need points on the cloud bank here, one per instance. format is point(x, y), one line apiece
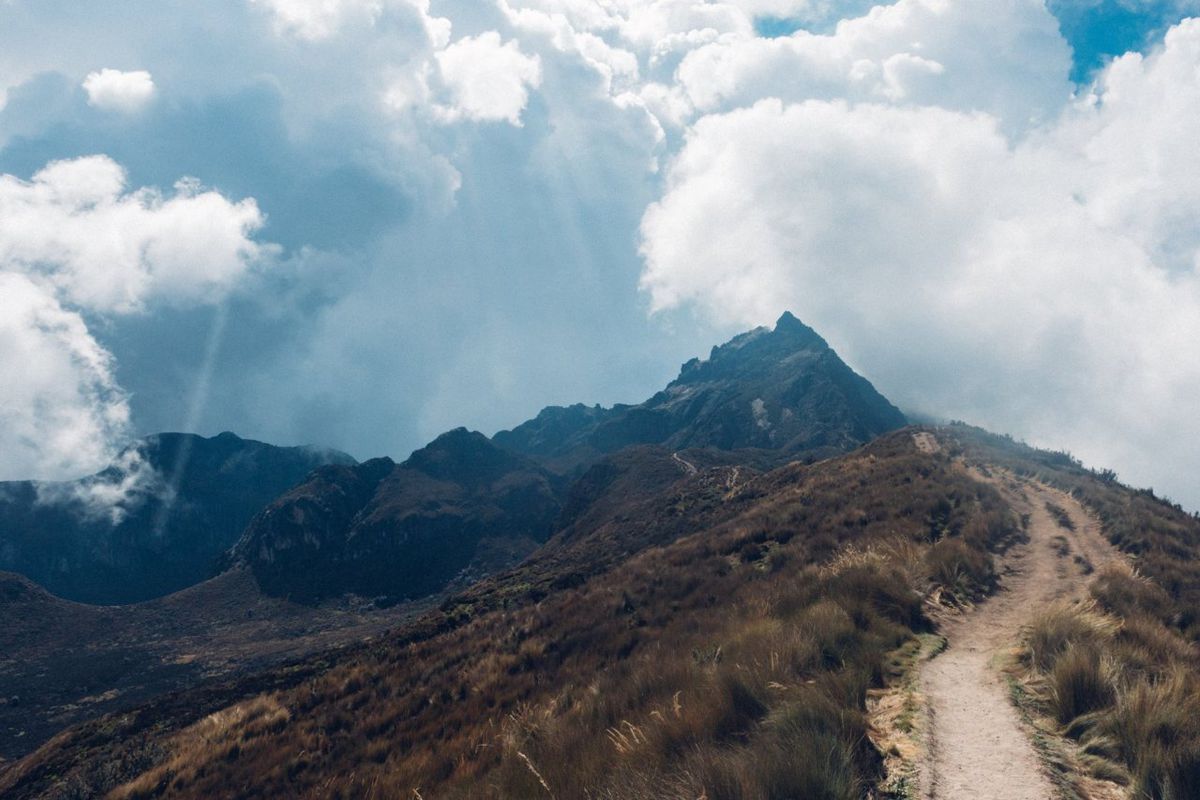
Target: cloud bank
point(1045, 284)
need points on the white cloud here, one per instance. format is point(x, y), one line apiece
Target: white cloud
point(318, 19)
point(125, 484)
point(315, 20)
point(1048, 287)
point(488, 80)
point(114, 90)
point(72, 239)
point(1005, 57)
point(60, 406)
point(76, 227)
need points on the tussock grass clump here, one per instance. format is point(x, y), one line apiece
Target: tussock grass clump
point(1127, 688)
point(1121, 591)
point(1156, 726)
point(963, 571)
point(1064, 626)
point(1080, 682)
point(1061, 516)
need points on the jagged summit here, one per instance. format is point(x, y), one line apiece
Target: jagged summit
point(782, 389)
point(751, 351)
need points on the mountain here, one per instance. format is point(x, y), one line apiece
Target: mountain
point(154, 522)
point(783, 390)
point(672, 600)
point(457, 508)
point(740, 621)
point(464, 506)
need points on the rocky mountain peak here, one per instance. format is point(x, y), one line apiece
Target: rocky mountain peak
point(778, 389)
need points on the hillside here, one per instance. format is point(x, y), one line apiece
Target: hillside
point(63, 662)
point(766, 622)
point(154, 522)
point(457, 507)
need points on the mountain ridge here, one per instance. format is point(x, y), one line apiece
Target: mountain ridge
point(153, 522)
point(781, 389)
point(464, 505)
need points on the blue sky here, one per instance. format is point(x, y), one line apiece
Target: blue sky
point(361, 222)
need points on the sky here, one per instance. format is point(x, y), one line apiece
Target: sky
point(359, 223)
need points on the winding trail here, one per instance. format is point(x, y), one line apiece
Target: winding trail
point(688, 467)
point(976, 745)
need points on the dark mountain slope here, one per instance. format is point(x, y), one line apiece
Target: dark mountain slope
point(464, 507)
point(63, 662)
point(154, 522)
point(456, 508)
point(783, 390)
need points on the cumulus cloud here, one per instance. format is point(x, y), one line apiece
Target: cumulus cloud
point(488, 80)
point(114, 90)
point(75, 239)
point(317, 20)
point(60, 406)
point(1047, 285)
point(77, 228)
point(915, 51)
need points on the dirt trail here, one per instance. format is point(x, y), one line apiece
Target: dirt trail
point(688, 467)
point(977, 747)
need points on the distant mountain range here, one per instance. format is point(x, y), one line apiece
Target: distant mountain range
point(465, 506)
point(314, 524)
point(155, 522)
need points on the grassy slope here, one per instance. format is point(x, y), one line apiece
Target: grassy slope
point(727, 656)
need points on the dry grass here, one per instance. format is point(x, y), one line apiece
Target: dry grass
point(1126, 689)
point(731, 662)
point(218, 735)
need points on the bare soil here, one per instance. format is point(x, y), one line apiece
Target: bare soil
point(977, 746)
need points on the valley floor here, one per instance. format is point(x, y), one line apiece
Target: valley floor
point(63, 662)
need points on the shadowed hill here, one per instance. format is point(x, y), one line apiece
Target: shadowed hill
point(154, 522)
point(457, 507)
